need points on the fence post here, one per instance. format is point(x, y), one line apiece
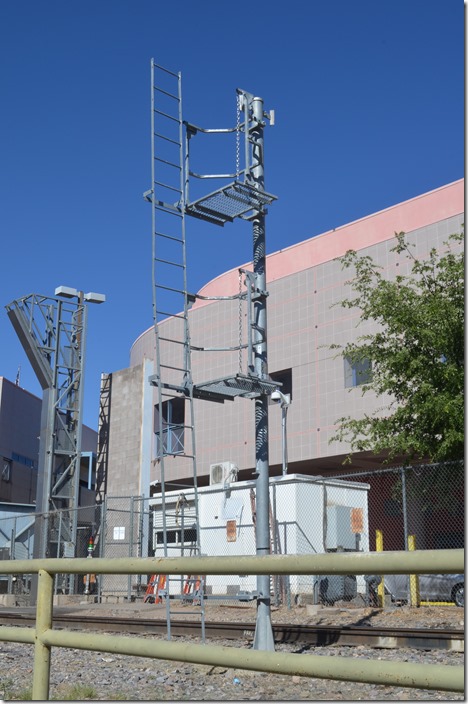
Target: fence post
point(381, 587)
point(404, 507)
point(130, 545)
point(415, 599)
point(102, 543)
point(44, 608)
point(12, 555)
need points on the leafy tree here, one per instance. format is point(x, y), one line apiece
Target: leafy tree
point(416, 354)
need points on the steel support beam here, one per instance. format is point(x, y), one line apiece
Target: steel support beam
point(53, 334)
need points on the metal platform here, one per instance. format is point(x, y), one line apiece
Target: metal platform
point(229, 388)
point(229, 202)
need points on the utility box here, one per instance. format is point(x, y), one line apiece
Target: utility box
point(308, 515)
point(341, 533)
point(337, 587)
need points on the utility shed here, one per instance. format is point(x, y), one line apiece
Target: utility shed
point(307, 515)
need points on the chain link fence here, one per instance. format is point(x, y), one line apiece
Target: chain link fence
point(397, 508)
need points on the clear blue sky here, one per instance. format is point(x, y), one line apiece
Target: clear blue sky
point(369, 112)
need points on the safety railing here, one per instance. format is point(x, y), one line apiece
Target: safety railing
point(400, 674)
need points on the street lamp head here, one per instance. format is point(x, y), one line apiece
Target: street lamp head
point(91, 297)
point(95, 297)
point(67, 292)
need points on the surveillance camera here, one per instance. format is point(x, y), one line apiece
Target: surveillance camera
point(279, 397)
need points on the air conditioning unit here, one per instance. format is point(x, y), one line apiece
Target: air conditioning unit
point(222, 472)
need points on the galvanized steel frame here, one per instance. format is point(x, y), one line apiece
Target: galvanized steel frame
point(53, 334)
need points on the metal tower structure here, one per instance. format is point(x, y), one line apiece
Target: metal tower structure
point(53, 334)
point(243, 197)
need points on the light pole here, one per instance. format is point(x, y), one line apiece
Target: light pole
point(285, 401)
point(77, 390)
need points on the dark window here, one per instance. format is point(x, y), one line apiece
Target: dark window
point(357, 373)
point(177, 537)
point(27, 461)
point(6, 470)
point(284, 377)
point(173, 423)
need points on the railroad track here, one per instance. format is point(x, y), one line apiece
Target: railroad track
point(370, 636)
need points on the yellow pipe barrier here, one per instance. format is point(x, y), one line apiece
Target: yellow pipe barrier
point(17, 635)
point(415, 598)
point(44, 611)
point(447, 677)
point(390, 562)
point(399, 674)
point(381, 586)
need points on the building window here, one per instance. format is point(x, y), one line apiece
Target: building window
point(284, 377)
point(173, 424)
point(22, 459)
point(357, 373)
point(177, 537)
point(6, 470)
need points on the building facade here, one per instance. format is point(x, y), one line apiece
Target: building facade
point(20, 427)
point(305, 283)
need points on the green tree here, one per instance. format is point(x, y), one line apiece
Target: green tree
point(416, 354)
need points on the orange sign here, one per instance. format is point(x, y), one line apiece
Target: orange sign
point(357, 520)
point(231, 531)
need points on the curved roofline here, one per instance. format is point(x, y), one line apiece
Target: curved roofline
point(413, 213)
point(353, 223)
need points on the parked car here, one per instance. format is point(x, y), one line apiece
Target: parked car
point(432, 587)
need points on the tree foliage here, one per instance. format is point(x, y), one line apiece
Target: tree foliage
point(417, 354)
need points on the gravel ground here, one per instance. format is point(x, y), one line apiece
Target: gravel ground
point(97, 676)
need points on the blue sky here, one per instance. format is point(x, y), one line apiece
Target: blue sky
point(369, 112)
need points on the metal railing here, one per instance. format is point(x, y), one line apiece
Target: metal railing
point(400, 674)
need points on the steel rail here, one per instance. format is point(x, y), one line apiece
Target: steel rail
point(316, 636)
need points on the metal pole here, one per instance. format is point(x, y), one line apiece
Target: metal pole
point(284, 411)
point(41, 545)
point(78, 396)
point(59, 541)
point(130, 545)
point(263, 639)
point(404, 506)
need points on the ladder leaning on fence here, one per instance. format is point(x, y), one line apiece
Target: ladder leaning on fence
point(155, 589)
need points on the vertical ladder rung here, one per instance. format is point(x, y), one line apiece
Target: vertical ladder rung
point(169, 237)
point(176, 369)
point(168, 288)
point(169, 163)
point(166, 70)
point(164, 114)
point(168, 139)
point(161, 90)
point(168, 208)
point(171, 315)
point(166, 261)
point(170, 188)
point(171, 339)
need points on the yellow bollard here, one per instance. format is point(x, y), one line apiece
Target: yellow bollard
point(415, 597)
point(381, 587)
point(42, 651)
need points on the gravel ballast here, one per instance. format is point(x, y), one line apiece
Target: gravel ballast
point(103, 676)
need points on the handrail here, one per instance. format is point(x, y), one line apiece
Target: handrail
point(44, 637)
point(339, 563)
